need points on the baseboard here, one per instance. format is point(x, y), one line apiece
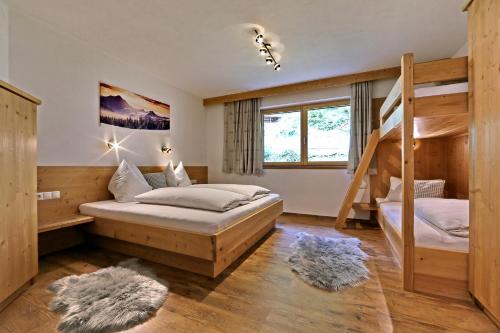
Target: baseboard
point(15, 295)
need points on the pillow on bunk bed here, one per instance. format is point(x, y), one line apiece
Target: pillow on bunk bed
point(127, 182)
point(422, 189)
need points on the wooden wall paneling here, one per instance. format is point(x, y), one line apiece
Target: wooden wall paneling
point(18, 213)
point(407, 174)
point(80, 184)
point(484, 183)
point(457, 166)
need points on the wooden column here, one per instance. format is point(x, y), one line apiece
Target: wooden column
point(407, 102)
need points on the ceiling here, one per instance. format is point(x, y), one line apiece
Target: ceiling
point(207, 48)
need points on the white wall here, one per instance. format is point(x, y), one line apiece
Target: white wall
point(305, 191)
point(64, 73)
point(4, 42)
point(462, 52)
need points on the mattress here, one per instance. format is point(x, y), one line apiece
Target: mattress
point(176, 218)
point(426, 235)
point(442, 89)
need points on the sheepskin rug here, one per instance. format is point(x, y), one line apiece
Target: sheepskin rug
point(108, 300)
point(329, 263)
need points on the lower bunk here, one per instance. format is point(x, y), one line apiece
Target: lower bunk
point(441, 259)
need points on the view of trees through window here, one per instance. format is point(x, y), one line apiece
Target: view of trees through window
point(327, 137)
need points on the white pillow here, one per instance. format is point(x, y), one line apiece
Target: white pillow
point(422, 189)
point(170, 175)
point(182, 176)
point(127, 182)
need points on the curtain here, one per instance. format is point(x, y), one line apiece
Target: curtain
point(361, 123)
point(243, 140)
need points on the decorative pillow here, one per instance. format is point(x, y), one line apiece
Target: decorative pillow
point(182, 176)
point(422, 189)
point(170, 177)
point(127, 182)
point(429, 188)
point(156, 180)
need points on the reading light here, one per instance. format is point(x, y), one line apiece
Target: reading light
point(113, 145)
point(269, 61)
point(165, 149)
point(277, 67)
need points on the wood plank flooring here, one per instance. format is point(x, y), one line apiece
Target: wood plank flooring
point(259, 293)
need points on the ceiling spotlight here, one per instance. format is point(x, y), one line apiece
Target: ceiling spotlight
point(265, 50)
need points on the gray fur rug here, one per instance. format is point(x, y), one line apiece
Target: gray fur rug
point(108, 300)
point(329, 263)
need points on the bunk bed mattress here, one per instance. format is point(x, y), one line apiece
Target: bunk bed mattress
point(426, 235)
point(444, 89)
point(176, 218)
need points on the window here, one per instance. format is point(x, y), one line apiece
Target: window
point(308, 136)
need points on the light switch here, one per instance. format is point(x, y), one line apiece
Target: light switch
point(47, 195)
point(56, 194)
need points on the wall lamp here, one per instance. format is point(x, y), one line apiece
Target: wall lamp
point(113, 145)
point(265, 50)
point(165, 149)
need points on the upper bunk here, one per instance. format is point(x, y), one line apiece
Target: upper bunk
point(438, 91)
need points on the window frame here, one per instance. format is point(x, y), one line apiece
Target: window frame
point(304, 163)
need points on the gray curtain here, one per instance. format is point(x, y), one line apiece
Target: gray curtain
point(361, 123)
point(243, 140)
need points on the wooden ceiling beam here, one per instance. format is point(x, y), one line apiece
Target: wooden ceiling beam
point(330, 82)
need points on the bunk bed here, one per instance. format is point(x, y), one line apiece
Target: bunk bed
point(428, 101)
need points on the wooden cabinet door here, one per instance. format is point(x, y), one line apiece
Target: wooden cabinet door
point(18, 210)
point(484, 105)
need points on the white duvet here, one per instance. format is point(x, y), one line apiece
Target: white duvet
point(194, 197)
point(252, 192)
point(450, 215)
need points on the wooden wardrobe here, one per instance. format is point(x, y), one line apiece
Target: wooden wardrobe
point(18, 206)
point(484, 180)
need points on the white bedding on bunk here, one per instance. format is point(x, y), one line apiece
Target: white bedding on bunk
point(426, 235)
point(176, 218)
point(442, 89)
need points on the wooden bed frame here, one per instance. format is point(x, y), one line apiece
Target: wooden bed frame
point(403, 119)
point(207, 255)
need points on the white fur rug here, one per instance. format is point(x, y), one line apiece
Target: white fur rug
point(329, 263)
point(108, 300)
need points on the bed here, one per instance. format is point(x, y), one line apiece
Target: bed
point(441, 259)
point(200, 241)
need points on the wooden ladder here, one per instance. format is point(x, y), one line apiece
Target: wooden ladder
point(358, 178)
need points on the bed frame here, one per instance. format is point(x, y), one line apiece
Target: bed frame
point(207, 255)
point(404, 118)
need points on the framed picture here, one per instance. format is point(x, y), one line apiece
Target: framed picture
point(120, 107)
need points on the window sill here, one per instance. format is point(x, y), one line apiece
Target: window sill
point(306, 166)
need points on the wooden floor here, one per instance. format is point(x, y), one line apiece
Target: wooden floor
point(259, 293)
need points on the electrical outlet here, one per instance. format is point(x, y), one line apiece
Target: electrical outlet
point(56, 194)
point(39, 196)
point(47, 195)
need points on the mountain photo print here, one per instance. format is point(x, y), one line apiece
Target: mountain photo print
point(120, 107)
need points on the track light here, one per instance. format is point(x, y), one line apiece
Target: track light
point(265, 50)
